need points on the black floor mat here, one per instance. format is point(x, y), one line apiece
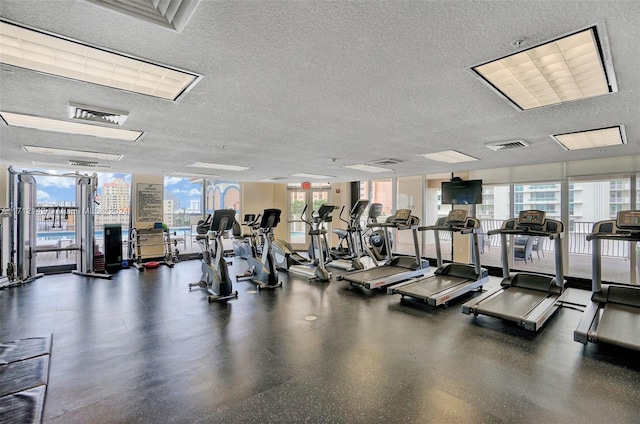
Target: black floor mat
point(23, 375)
point(24, 372)
point(19, 350)
point(24, 407)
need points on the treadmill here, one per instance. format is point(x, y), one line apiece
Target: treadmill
point(453, 279)
point(399, 267)
point(525, 298)
point(613, 315)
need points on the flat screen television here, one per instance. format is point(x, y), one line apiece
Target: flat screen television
point(462, 192)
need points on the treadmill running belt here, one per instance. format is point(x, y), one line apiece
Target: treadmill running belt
point(429, 286)
point(620, 325)
point(512, 304)
point(373, 273)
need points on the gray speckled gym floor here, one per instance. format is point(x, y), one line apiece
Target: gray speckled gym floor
point(141, 348)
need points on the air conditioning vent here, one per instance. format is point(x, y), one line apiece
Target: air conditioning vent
point(387, 162)
point(90, 113)
point(83, 163)
point(504, 145)
point(172, 14)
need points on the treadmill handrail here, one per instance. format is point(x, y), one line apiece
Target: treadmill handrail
point(397, 225)
point(624, 236)
point(526, 232)
point(452, 228)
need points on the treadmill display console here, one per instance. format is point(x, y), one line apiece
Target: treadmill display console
point(629, 220)
point(402, 215)
point(457, 216)
point(531, 218)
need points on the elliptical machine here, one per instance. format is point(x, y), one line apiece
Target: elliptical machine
point(215, 274)
point(262, 272)
point(348, 257)
point(377, 247)
point(314, 267)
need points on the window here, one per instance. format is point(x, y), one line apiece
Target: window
point(518, 198)
point(382, 192)
point(539, 256)
point(114, 201)
point(595, 201)
point(493, 211)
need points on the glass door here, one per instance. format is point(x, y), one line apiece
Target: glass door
point(409, 197)
point(297, 228)
point(298, 199)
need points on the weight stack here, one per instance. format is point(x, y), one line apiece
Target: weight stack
point(98, 262)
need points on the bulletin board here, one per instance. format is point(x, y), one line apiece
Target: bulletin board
point(149, 202)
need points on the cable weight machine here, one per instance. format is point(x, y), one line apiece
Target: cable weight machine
point(86, 190)
point(23, 250)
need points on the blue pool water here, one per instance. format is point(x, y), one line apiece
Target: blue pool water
point(67, 235)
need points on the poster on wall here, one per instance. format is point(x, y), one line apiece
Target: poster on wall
point(149, 202)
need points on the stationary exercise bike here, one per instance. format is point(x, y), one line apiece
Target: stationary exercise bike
point(246, 245)
point(215, 274)
point(262, 271)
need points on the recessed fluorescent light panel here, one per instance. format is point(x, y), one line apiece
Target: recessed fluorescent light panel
point(449, 156)
point(71, 153)
point(192, 174)
point(367, 168)
point(563, 70)
point(312, 176)
point(222, 166)
point(57, 55)
point(54, 125)
point(66, 165)
point(613, 136)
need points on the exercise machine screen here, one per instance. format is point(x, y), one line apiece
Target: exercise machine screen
point(402, 215)
point(628, 220)
point(457, 216)
point(531, 218)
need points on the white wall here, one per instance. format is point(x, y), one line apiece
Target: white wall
point(558, 171)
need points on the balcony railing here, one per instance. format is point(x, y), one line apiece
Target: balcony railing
point(578, 243)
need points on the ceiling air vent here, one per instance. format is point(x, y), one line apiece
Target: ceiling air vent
point(387, 162)
point(83, 163)
point(90, 113)
point(504, 145)
point(172, 14)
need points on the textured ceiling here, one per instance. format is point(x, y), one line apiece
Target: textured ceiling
point(310, 86)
